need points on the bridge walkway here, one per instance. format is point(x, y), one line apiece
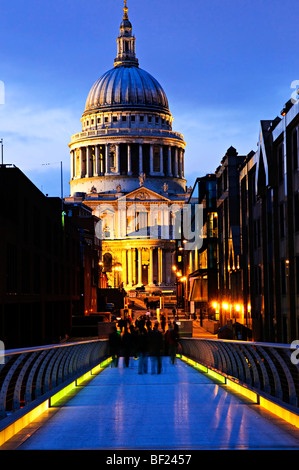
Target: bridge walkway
point(181, 408)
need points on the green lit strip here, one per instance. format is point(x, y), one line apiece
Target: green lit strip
point(65, 391)
point(217, 376)
point(83, 378)
point(202, 368)
point(194, 364)
point(69, 388)
point(106, 362)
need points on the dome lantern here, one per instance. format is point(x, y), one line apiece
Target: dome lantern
point(125, 43)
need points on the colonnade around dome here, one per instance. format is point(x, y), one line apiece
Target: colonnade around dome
point(119, 158)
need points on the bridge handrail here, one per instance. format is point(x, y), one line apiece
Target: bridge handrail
point(269, 368)
point(28, 374)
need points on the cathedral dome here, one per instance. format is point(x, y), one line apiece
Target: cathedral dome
point(126, 86)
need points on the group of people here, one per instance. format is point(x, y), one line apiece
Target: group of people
point(144, 339)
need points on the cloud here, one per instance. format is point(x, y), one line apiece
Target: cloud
point(33, 136)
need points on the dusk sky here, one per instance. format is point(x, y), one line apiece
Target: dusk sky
point(225, 65)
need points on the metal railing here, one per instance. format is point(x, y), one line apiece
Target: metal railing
point(265, 367)
point(28, 375)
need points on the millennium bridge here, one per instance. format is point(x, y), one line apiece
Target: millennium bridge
point(218, 395)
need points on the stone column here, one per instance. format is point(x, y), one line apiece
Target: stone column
point(130, 274)
point(169, 161)
point(107, 169)
point(139, 266)
point(151, 267)
point(102, 161)
point(124, 266)
point(129, 160)
point(72, 164)
point(117, 163)
point(160, 266)
point(97, 161)
point(176, 163)
point(180, 162)
point(88, 162)
point(81, 163)
point(140, 159)
point(183, 163)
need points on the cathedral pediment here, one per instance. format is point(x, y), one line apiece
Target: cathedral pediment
point(144, 194)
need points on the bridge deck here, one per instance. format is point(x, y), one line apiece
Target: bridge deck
point(179, 409)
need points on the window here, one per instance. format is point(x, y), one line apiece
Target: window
point(133, 118)
point(114, 118)
point(141, 118)
point(92, 122)
point(106, 118)
point(124, 118)
point(99, 120)
point(157, 120)
point(149, 118)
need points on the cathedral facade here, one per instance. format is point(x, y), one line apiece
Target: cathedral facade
point(127, 164)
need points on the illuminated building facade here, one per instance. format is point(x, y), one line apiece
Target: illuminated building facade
point(127, 165)
point(255, 293)
point(269, 190)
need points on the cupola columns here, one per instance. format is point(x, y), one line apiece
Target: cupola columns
point(126, 43)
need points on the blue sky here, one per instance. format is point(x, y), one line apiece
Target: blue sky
point(224, 65)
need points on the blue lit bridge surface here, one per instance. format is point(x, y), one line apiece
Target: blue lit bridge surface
point(187, 407)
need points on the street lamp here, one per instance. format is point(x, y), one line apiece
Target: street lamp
point(61, 179)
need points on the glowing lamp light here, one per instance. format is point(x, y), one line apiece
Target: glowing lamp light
point(225, 306)
point(215, 305)
point(238, 308)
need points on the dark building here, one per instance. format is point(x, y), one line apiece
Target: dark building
point(269, 188)
point(39, 264)
point(231, 308)
point(257, 236)
point(82, 218)
point(203, 262)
